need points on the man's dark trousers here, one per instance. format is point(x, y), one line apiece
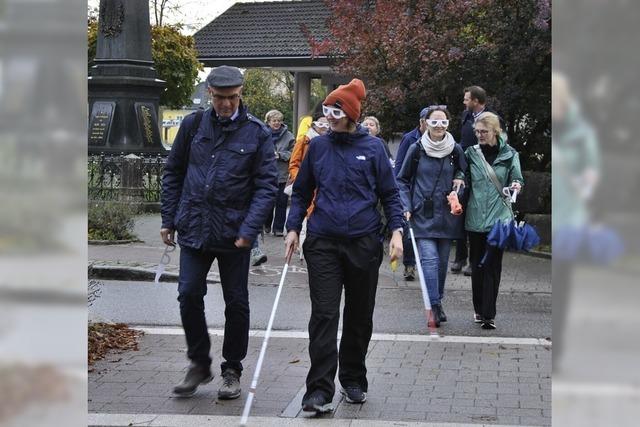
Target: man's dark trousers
point(332, 263)
point(408, 257)
point(192, 287)
point(461, 249)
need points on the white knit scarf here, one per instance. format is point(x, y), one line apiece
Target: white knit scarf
point(438, 149)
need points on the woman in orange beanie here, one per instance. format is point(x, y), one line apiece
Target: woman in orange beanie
point(350, 172)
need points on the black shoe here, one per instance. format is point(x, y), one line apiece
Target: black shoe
point(488, 324)
point(267, 230)
point(435, 315)
point(353, 394)
point(257, 257)
point(467, 271)
point(196, 375)
point(409, 272)
point(316, 402)
point(477, 318)
point(278, 234)
point(456, 266)
point(230, 388)
point(443, 317)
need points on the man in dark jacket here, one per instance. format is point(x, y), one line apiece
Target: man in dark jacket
point(475, 100)
point(409, 258)
point(219, 185)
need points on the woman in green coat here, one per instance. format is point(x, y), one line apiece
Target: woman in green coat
point(485, 207)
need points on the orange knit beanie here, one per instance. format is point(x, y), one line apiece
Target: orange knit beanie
point(348, 98)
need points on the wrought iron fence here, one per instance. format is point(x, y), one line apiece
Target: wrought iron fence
point(105, 176)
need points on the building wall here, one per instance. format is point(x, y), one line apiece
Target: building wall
point(171, 120)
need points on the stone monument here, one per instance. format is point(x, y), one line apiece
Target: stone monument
point(124, 89)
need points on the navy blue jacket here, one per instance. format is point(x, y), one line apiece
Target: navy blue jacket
point(407, 139)
point(229, 186)
point(414, 190)
point(351, 172)
point(467, 135)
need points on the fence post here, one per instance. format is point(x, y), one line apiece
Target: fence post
point(131, 189)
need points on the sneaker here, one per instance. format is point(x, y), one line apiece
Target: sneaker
point(488, 324)
point(230, 388)
point(354, 394)
point(196, 375)
point(409, 272)
point(267, 230)
point(278, 233)
point(316, 402)
point(467, 270)
point(456, 266)
point(477, 318)
point(257, 257)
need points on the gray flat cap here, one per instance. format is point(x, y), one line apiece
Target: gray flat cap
point(225, 76)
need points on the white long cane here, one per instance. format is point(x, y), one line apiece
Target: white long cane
point(263, 350)
point(423, 284)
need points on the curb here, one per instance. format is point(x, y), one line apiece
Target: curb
point(538, 254)
point(113, 242)
point(108, 272)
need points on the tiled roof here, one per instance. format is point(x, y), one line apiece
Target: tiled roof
point(264, 29)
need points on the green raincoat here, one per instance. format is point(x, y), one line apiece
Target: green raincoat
point(486, 205)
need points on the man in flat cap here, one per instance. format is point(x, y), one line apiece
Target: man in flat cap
point(219, 185)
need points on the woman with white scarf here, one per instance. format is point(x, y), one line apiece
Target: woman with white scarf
point(426, 178)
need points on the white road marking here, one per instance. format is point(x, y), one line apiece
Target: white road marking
point(158, 330)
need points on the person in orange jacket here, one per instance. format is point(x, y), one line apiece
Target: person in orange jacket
point(318, 127)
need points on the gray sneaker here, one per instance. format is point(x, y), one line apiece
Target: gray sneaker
point(196, 375)
point(409, 272)
point(230, 388)
point(257, 257)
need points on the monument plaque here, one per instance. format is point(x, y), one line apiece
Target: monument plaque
point(147, 123)
point(100, 122)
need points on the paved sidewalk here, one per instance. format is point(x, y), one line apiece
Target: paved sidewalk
point(417, 380)
point(138, 261)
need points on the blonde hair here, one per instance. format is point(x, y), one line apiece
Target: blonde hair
point(374, 120)
point(273, 114)
point(491, 121)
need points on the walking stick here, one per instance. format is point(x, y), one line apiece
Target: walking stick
point(423, 285)
point(263, 350)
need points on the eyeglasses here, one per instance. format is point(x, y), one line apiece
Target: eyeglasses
point(481, 131)
point(440, 122)
point(221, 98)
point(321, 125)
point(336, 113)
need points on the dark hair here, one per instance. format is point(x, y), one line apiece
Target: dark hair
point(438, 108)
point(477, 92)
point(316, 110)
point(316, 116)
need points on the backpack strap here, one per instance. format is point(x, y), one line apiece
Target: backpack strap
point(192, 134)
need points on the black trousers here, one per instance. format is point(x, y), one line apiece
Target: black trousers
point(485, 279)
point(192, 287)
point(461, 248)
point(332, 265)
